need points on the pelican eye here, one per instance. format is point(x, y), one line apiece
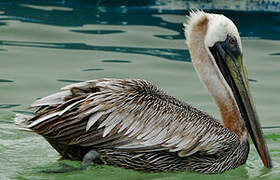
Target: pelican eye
point(231, 40)
point(232, 46)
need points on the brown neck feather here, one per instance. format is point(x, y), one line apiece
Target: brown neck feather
point(212, 79)
point(230, 116)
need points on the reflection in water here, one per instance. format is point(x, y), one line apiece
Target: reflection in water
point(170, 54)
point(253, 24)
point(170, 37)
point(90, 12)
point(24, 112)
point(3, 24)
point(5, 80)
point(69, 80)
point(275, 54)
point(7, 106)
point(271, 127)
point(241, 5)
point(2, 121)
point(93, 69)
point(253, 80)
point(99, 32)
point(116, 61)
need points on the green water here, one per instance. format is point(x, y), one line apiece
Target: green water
point(46, 46)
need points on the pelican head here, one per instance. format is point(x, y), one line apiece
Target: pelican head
point(216, 52)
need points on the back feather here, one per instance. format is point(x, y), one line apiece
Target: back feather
point(132, 115)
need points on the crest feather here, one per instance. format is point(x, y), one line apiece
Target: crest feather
point(195, 19)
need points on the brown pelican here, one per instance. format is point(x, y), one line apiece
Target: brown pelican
point(132, 124)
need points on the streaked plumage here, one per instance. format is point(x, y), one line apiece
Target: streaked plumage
point(133, 120)
point(133, 124)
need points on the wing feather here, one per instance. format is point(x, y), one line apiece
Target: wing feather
point(130, 115)
point(93, 118)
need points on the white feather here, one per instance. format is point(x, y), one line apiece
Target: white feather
point(93, 118)
point(108, 129)
point(69, 107)
point(53, 99)
point(44, 118)
point(22, 119)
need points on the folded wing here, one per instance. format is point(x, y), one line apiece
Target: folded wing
point(131, 115)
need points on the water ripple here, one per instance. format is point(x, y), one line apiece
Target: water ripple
point(5, 80)
point(274, 54)
point(69, 80)
point(253, 24)
point(166, 53)
point(170, 37)
point(7, 106)
point(24, 112)
point(116, 61)
point(252, 80)
point(98, 32)
point(93, 69)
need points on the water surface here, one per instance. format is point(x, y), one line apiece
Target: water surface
point(45, 46)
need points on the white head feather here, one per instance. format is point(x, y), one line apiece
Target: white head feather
point(219, 27)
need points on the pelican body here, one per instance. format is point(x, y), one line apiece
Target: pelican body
point(130, 123)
